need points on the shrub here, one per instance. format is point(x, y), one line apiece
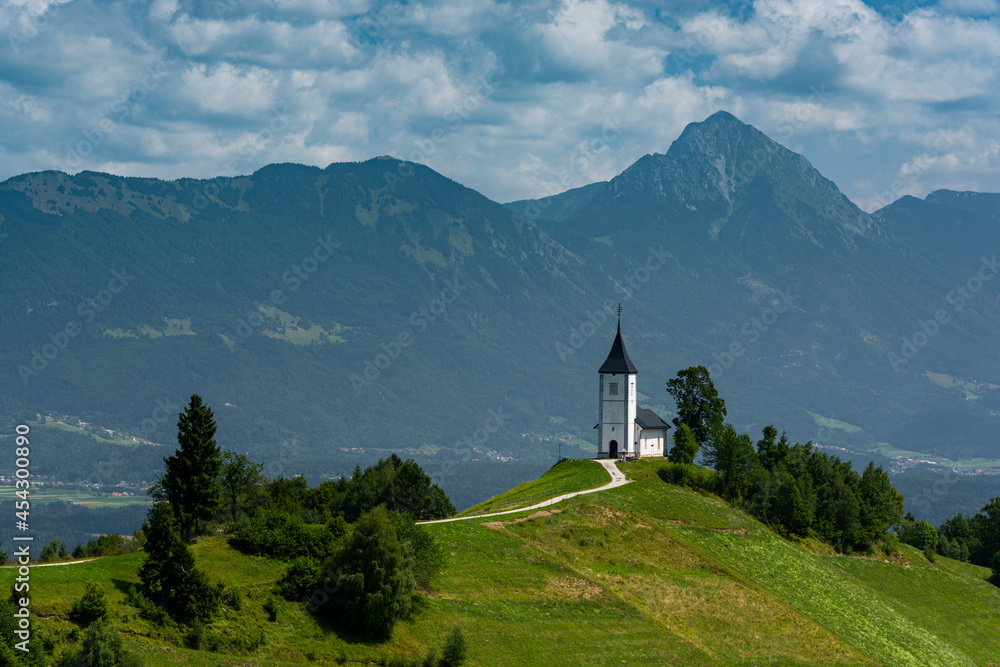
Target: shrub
point(158, 615)
point(890, 544)
point(102, 645)
point(52, 551)
point(454, 650)
point(995, 566)
point(277, 534)
point(690, 476)
point(271, 607)
point(300, 580)
point(428, 556)
point(234, 599)
point(107, 545)
point(196, 636)
point(93, 606)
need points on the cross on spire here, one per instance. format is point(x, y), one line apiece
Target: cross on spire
point(619, 311)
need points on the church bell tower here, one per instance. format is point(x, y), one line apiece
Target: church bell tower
point(616, 415)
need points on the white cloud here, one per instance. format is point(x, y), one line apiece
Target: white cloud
point(969, 7)
point(359, 79)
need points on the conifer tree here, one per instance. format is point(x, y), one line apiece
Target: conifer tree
point(190, 479)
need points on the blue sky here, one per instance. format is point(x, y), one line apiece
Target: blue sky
point(513, 99)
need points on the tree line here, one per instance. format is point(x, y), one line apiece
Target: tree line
point(794, 488)
point(974, 539)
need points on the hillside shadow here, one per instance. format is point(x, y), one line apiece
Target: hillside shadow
point(123, 585)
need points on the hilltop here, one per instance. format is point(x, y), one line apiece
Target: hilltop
point(645, 574)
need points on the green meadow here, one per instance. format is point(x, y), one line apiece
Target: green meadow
point(644, 574)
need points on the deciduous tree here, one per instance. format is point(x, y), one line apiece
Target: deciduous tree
point(375, 577)
point(239, 477)
point(698, 403)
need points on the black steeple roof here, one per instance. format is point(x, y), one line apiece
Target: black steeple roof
point(618, 361)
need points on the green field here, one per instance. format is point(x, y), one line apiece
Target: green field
point(644, 574)
point(889, 451)
point(44, 495)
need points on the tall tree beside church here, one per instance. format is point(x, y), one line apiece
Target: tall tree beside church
point(190, 479)
point(698, 403)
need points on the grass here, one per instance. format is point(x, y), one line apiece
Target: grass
point(564, 477)
point(644, 574)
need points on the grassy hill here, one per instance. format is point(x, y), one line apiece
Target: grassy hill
point(642, 574)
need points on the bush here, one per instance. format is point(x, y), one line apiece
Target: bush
point(234, 599)
point(890, 544)
point(103, 646)
point(196, 636)
point(52, 551)
point(300, 580)
point(107, 545)
point(454, 650)
point(271, 607)
point(277, 534)
point(995, 566)
point(158, 615)
point(428, 556)
point(690, 476)
point(93, 606)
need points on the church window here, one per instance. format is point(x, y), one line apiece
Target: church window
point(612, 389)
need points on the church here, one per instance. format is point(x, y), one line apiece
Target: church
point(624, 430)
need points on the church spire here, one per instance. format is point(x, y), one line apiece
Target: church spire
point(618, 361)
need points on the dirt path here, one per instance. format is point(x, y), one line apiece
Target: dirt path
point(617, 479)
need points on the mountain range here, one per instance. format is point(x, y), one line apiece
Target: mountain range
point(331, 316)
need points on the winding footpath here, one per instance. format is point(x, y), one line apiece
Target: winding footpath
point(617, 479)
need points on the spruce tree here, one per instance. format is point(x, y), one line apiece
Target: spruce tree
point(190, 479)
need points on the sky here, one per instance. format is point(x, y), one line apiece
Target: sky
point(515, 100)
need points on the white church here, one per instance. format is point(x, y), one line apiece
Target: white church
point(624, 430)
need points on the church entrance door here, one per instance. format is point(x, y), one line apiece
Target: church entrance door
point(613, 449)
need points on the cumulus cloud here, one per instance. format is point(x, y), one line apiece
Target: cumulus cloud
point(514, 99)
